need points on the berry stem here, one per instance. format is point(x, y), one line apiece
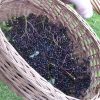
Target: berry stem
point(67, 71)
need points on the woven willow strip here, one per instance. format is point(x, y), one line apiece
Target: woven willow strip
point(96, 5)
point(23, 79)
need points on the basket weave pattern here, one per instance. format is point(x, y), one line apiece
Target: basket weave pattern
point(25, 79)
point(96, 5)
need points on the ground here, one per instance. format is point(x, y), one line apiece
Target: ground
point(7, 94)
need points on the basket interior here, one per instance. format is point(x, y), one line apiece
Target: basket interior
point(86, 42)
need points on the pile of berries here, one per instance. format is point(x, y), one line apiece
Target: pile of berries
point(47, 47)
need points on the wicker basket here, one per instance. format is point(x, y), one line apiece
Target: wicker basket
point(96, 5)
point(23, 79)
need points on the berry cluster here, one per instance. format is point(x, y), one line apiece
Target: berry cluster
point(49, 50)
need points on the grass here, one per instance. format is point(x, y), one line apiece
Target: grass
point(7, 94)
point(95, 23)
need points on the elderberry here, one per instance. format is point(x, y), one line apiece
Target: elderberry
point(47, 47)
